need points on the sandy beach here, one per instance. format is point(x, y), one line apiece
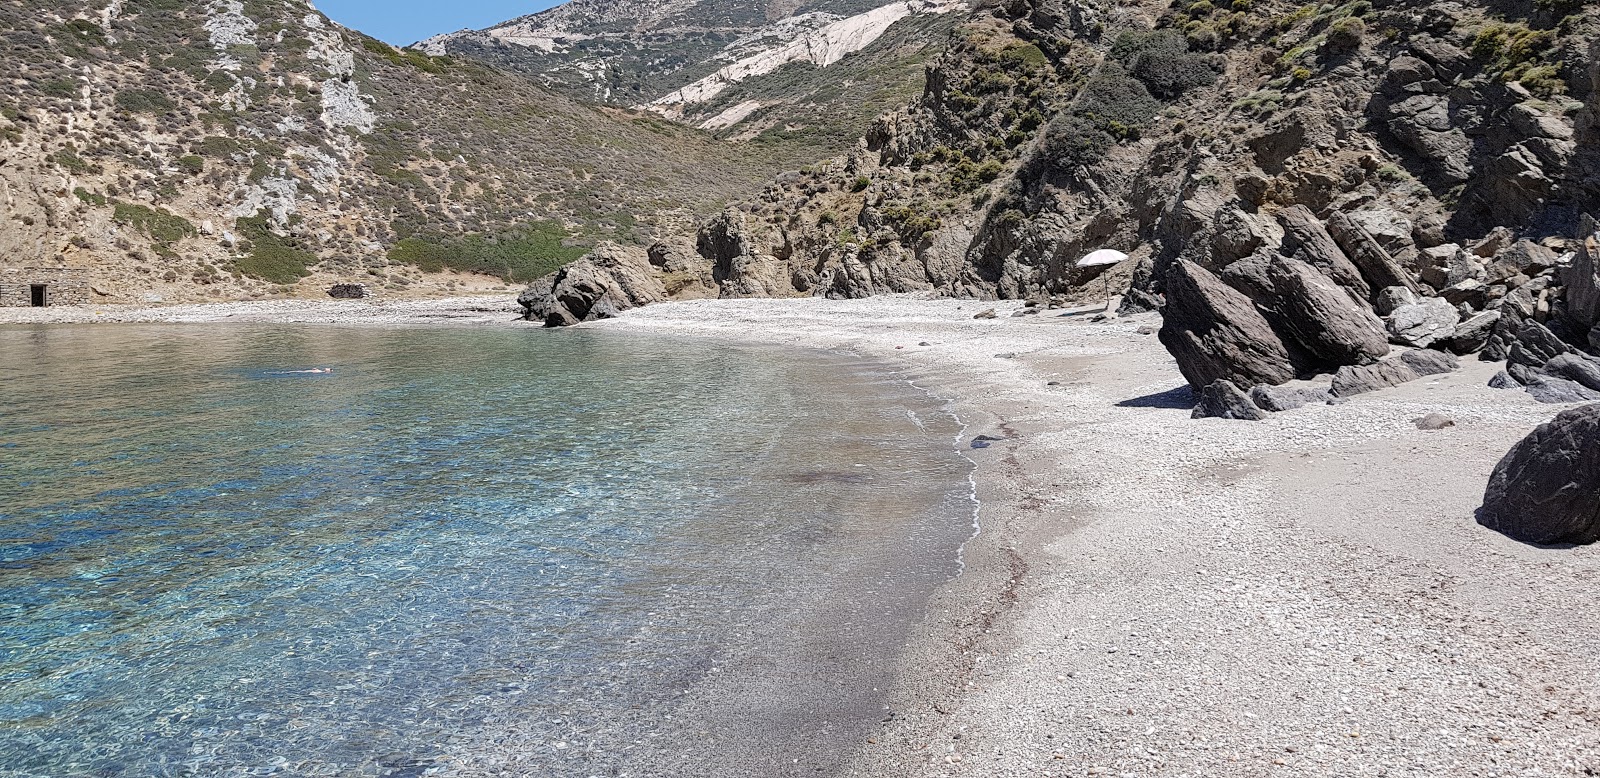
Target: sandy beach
point(1156, 595)
point(1151, 595)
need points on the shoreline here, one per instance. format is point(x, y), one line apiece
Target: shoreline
point(1154, 595)
point(465, 310)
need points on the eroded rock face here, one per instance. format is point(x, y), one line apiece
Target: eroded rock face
point(1421, 324)
point(1324, 319)
point(1547, 488)
point(1216, 333)
point(606, 282)
point(1306, 239)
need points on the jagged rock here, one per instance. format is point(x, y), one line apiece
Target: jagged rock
point(1276, 399)
point(1471, 294)
point(1421, 324)
point(1434, 421)
point(1375, 263)
point(1236, 234)
point(1503, 380)
point(1221, 399)
point(1215, 332)
point(1547, 487)
point(1524, 258)
point(1474, 333)
point(1535, 346)
point(1392, 299)
point(1447, 265)
point(1578, 368)
point(606, 282)
point(1324, 319)
point(1307, 240)
point(1558, 391)
point(1582, 282)
point(1491, 244)
point(986, 314)
point(1410, 366)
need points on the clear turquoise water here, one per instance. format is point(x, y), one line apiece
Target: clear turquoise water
point(465, 551)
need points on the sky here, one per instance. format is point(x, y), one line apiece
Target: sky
point(403, 22)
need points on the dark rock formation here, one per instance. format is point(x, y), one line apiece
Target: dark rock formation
point(606, 282)
point(1547, 488)
point(1276, 399)
point(1324, 319)
point(1307, 240)
point(1405, 368)
point(349, 292)
point(1216, 333)
point(1223, 400)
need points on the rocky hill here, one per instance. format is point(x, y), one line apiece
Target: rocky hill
point(238, 148)
point(806, 75)
point(1440, 155)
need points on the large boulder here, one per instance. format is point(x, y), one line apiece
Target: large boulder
point(1306, 239)
point(1547, 488)
point(1410, 366)
point(1377, 266)
point(1215, 332)
point(608, 281)
point(1582, 282)
point(1420, 324)
point(1324, 319)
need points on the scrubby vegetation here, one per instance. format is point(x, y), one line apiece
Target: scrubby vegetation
point(164, 227)
point(269, 256)
point(520, 254)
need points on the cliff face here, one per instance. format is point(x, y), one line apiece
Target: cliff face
point(223, 149)
point(1050, 129)
point(810, 75)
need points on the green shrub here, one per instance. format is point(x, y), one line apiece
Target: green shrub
point(1073, 140)
point(911, 223)
point(522, 254)
point(144, 101)
point(1346, 34)
point(1162, 61)
point(68, 159)
point(164, 227)
point(269, 256)
point(89, 197)
point(66, 88)
point(1024, 56)
point(192, 164)
point(861, 184)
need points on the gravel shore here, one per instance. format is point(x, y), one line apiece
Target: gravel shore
point(1153, 595)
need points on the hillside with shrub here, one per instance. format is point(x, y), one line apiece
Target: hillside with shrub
point(237, 149)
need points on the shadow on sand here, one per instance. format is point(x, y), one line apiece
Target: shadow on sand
point(1179, 399)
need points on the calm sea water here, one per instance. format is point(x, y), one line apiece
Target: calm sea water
point(463, 552)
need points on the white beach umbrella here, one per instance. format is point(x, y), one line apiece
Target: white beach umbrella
point(1101, 258)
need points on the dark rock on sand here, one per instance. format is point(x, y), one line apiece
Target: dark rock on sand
point(1407, 367)
point(1324, 318)
point(1222, 399)
point(1215, 332)
point(1276, 399)
point(1547, 488)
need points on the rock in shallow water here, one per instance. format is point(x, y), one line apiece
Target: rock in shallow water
point(1547, 488)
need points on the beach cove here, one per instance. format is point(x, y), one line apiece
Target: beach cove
point(1154, 595)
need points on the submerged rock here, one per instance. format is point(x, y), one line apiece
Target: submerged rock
point(1547, 488)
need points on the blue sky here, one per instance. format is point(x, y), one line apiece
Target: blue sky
point(407, 21)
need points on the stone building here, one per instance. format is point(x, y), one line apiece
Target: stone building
point(41, 286)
